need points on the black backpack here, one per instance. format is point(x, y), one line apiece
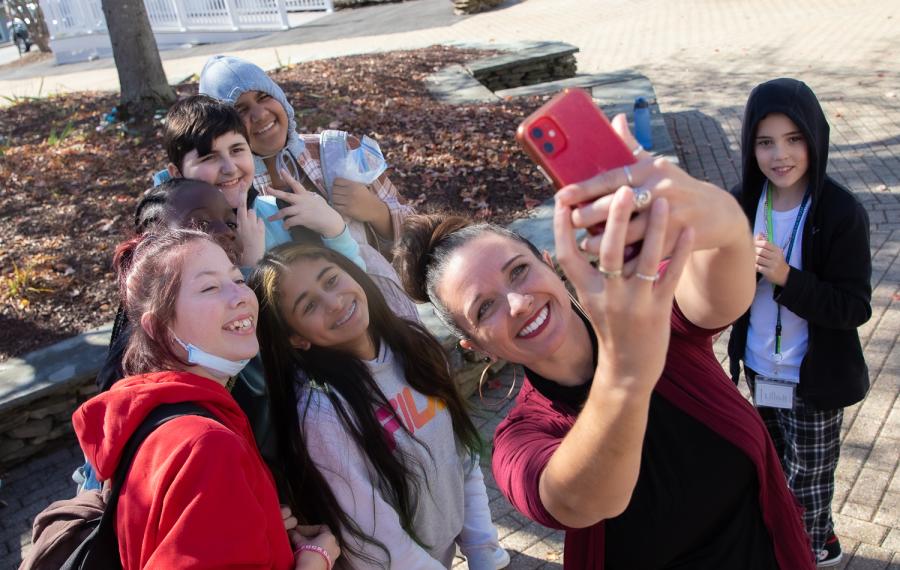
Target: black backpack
point(80, 533)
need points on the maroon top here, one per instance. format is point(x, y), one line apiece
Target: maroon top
point(693, 382)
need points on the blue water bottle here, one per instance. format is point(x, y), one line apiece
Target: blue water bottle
point(642, 131)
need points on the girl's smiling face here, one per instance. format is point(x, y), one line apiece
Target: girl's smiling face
point(198, 205)
point(266, 121)
point(214, 309)
point(781, 152)
point(325, 307)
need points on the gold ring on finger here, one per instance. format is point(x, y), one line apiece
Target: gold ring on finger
point(652, 278)
point(642, 198)
point(628, 175)
point(610, 273)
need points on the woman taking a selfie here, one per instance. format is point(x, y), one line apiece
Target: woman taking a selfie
point(626, 433)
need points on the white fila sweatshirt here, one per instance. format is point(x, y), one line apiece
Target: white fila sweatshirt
point(451, 506)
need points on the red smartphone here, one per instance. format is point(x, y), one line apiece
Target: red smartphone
point(571, 140)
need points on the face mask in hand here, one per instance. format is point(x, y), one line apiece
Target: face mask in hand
point(200, 357)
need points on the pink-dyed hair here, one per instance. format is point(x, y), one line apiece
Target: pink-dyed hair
point(149, 269)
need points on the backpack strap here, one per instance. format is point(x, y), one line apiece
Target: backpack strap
point(101, 548)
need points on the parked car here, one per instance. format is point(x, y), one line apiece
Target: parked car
point(18, 33)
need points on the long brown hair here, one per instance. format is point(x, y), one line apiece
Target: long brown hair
point(352, 391)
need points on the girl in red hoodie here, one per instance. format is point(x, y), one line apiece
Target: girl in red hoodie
point(198, 494)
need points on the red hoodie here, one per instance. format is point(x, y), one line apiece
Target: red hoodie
point(198, 494)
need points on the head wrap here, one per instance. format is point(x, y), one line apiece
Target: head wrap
point(226, 78)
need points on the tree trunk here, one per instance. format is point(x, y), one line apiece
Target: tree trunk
point(38, 31)
point(33, 17)
point(143, 83)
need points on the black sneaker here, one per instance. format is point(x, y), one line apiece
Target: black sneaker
point(830, 555)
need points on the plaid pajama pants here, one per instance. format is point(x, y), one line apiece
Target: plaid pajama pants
point(808, 443)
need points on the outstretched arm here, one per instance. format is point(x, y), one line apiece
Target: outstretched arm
point(591, 475)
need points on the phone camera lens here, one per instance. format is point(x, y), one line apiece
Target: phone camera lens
point(548, 147)
point(537, 133)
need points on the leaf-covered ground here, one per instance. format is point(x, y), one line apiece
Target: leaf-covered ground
point(68, 189)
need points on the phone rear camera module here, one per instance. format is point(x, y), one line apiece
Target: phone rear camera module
point(548, 147)
point(537, 133)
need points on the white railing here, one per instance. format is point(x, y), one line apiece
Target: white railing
point(163, 15)
point(67, 18)
point(258, 13)
point(73, 17)
point(299, 5)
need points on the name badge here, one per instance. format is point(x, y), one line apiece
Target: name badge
point(773, 393)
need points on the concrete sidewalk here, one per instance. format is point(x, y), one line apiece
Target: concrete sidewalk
point(703, 56)
point(684, 37)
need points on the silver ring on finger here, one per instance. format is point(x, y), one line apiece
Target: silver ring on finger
point(609, 273)
point(652, 278)
point(637, 150)
point(642, 198)
point(628, 175)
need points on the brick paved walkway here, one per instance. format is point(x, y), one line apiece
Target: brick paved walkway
point(703, 57)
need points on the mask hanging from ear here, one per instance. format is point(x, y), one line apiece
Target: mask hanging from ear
point(200, 357)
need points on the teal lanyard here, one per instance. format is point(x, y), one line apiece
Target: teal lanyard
point(770, 236)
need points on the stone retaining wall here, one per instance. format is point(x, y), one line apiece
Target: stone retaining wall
point(529, 63)
point(40, 391)
point(42, 424)
point(474, 6)
point(529, 73)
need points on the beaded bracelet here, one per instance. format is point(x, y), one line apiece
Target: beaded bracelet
point(318, 550)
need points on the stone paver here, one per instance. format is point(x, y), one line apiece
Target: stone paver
point(703, 56)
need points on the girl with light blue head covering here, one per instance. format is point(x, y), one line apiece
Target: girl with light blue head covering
point(227, 78)
point(347, 171)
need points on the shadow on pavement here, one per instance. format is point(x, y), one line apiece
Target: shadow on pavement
point(703, 147)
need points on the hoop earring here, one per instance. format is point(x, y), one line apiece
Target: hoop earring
point(509, 393)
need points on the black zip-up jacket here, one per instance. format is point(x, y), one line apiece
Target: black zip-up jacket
point(833, 290)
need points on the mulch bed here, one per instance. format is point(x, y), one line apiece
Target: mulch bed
point(68, 188)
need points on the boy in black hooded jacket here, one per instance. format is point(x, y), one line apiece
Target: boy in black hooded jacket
point(799, 344)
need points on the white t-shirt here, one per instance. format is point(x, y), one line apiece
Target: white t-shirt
point(760, 350)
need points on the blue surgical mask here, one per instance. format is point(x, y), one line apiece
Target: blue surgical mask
point(200, 357)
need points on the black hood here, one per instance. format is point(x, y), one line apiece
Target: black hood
point(796, 100)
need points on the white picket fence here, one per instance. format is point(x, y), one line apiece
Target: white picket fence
point(66, 18)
